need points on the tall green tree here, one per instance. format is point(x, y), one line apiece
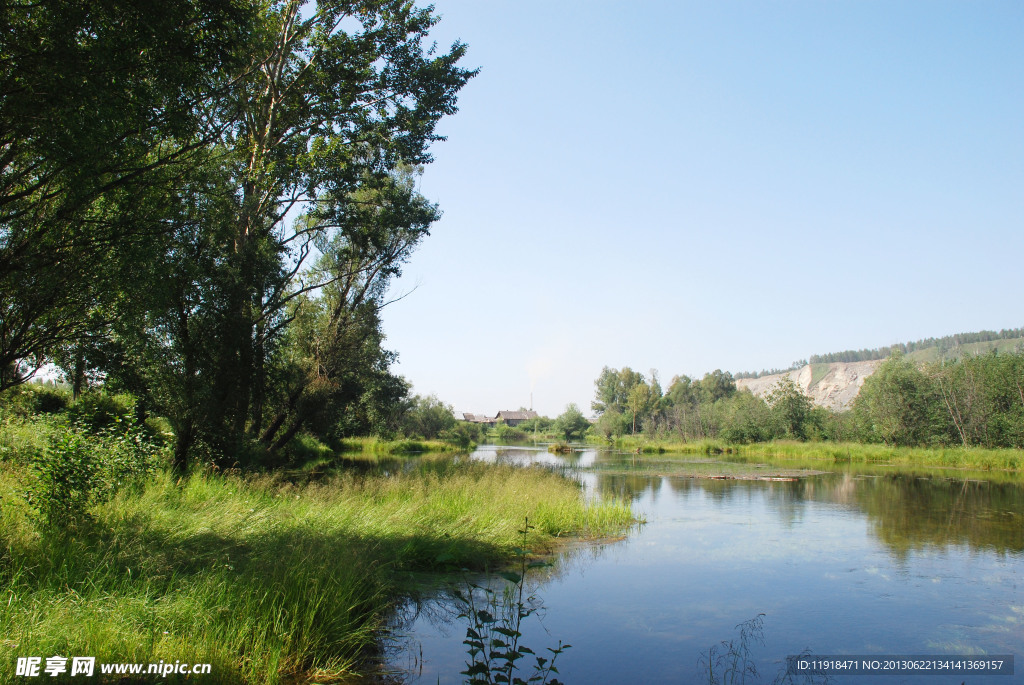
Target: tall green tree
point(571, 424)
point(340, 342)
point(898, 404)
point(612, 388)
point(638, 403)
point(310, 210)
point(339, 96)
point(100, 102)
point(790, 408)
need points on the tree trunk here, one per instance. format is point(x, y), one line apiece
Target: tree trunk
point(186, 437)
point(78, 381)
point(288, 434)
point(282, 416)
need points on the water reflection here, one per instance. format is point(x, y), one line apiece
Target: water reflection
point(906, 510)
point(853, 560)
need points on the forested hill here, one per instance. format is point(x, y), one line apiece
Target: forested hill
point(834, 380)
point(934, 349)
point(925, 350)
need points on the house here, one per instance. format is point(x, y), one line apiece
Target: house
point(514, 418)
point(484, 421)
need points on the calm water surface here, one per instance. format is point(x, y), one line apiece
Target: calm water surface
point(854, 561)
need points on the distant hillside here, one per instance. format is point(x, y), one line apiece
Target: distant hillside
point(833, 385)
point(833, 380)
point(934, 354)
point(936, 348)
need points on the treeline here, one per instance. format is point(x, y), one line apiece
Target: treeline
point(799, 364)
point(944, 345)
point(202, 204)
point(975, 401)
point(709, 408)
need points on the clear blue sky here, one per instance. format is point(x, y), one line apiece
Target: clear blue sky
point(685, 186)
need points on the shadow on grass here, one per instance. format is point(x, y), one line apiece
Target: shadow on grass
point(293, 603)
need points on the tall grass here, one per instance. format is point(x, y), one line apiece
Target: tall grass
point(646, 445)
point(267, 580)
point(955, 457)
point(402, 446)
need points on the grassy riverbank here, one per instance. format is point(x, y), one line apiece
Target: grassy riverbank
point(831, 452)
point(403, 446)
point(952, 457)
point(266, 580)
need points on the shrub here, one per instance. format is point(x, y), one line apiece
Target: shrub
point(505, 432)
point(159, 430)
point(31, 398)
point(77, 470)
point(50, 400)
point(100, 409)
point(461, 435)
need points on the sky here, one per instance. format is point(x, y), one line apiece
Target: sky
point(690, 186)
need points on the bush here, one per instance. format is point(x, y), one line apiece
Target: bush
point(306, 448)
point(503, 431)
point(571, 423)
point(50, 400)
point(462, 434)
point(33, 398)
point(66, 478)
point(99, 410)
point(159, 430)
point(78, 470)
point(427, 418)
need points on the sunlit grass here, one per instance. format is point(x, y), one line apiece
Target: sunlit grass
point(378, 446)
point(955, 457)
point(831, 452)
point(267, 580)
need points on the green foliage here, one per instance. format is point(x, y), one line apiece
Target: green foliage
point(983, 398)
point(898, 404)
point(305, 448)
point(215, 233)
point(428, 418)
point(612, 423)
point(463, 435)
point(571, 424)
point(79, 469)
point(67, 480)
point(538, 424)
point(613, 388)
point(32, 398)
point(716, 385)
point(495, 628)
point(790, 408)
point(639, 402)
point(95, 113)
point(942, 346)
point(749, 419)
point(99, 409)
point(507, 433)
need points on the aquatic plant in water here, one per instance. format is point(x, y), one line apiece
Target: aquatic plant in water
point(729, 662)
point(494, 631)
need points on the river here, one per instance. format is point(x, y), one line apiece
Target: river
point(849, 561)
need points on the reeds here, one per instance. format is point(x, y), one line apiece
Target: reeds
point(266, 580)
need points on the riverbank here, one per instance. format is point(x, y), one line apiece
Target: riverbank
point(402, 446)
point(266, 580)
point(832, 452)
